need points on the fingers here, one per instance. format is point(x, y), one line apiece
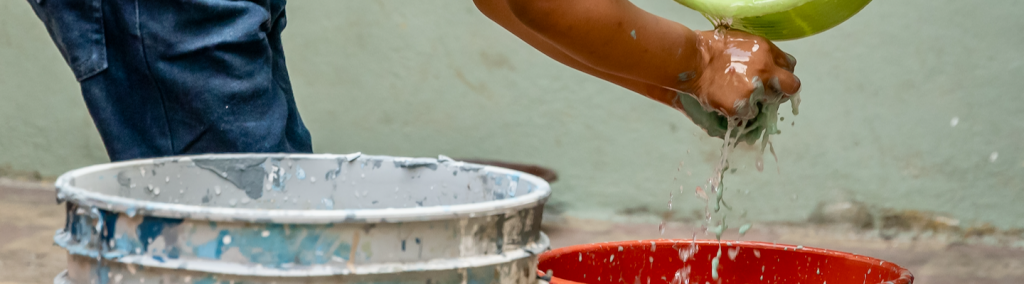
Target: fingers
point(782, 59)
point(785, 82)
point(791, 62)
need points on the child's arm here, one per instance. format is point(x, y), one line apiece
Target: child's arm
point(499, 12)
point(621, 43)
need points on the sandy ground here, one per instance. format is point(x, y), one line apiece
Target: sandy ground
point(29, 216)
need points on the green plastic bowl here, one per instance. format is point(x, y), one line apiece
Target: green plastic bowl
point(778, 19)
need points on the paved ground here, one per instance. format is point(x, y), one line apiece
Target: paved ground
point(29, 216)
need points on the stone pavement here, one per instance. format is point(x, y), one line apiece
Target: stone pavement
point(29, 216)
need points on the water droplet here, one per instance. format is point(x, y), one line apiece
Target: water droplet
point(661, 227)
point(953, 122)
point(227, 240)
point(156, 191)
point(167, 179)
point(216, 189)
point(700, 193)
point(992, 157)
point(265, 233)
point(743, 229)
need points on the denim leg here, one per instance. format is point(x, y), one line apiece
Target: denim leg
point(214, 62)
point(189, 77)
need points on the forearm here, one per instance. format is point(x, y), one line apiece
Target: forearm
point(616, 37)
point(499, 12)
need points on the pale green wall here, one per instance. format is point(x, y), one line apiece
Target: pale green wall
point(428, 77)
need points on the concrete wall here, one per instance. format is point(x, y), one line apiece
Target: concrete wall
point(435, 77)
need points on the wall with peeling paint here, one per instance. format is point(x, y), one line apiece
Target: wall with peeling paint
point(423, 78)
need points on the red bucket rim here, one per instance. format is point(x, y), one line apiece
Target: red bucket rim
point(905, 276)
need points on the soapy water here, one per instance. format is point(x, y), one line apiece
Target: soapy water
point(766, 121)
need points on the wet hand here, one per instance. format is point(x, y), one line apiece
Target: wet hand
point(738, 65)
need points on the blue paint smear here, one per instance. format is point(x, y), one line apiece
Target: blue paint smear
point(151, 227)
point(173, 253)
point(207, 280)
point(81, 230)
point(159, 258)
point(211, 249)
point(278, 248)
point(126, 244)
point(513, 184)
point(102, 272)
point(109, 222)
point(275, 250)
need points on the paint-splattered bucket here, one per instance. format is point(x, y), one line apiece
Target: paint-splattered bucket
point(276, 218)
point(688, 261)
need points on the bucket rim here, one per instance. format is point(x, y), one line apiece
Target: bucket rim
point(68, 192)
point(905, 276)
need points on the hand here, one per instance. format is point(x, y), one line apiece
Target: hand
point(738, 65)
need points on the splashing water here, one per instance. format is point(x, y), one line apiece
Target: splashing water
point(762, 124)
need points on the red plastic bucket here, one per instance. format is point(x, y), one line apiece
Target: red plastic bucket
point(661, 261)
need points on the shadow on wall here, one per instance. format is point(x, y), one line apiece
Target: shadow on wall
point(8, 172)
point(890, 223)
point(858, 216)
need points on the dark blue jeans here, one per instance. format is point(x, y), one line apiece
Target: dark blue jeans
point(169, 77)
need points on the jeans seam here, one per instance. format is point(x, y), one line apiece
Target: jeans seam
point(156, 84)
